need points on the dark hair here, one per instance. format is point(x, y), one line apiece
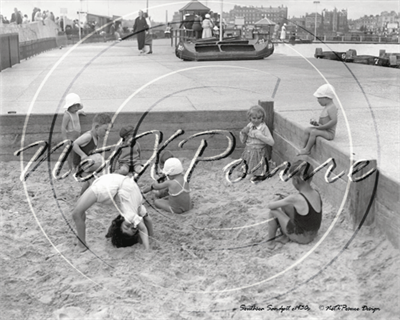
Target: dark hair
point(165, 156)
point(120, 239)
point(101, 118)
point(126, 131)
point(301, 168)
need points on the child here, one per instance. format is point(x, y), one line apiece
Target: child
point(70, 126)
point(128, 202)
point(88, 142)
point(299, 215)
point(326, 126)
point(129, 159)
point(257, 136)
point(178, 189)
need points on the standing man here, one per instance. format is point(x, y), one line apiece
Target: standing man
point(139, 28)
point(16, 17)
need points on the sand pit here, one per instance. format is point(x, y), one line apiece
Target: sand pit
point(206, 264)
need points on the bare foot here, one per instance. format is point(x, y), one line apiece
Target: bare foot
point(271, 245)
point(303, 152)
point(81, 248)
point(283, 239)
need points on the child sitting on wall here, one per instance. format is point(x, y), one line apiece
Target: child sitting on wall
point(326, 125)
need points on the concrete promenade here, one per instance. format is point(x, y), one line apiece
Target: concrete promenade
point(112, 77)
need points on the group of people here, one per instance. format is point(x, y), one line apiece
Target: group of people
point(198, 26)
point(37, 15)
point(298, 216)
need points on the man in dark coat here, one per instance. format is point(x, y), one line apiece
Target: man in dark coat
point(16, 17)
point(139, 28)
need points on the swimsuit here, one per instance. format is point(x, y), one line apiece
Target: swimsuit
point(180, 201)
point(308, 223)
point(86, 149)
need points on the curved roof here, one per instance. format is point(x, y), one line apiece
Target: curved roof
point(194, 5)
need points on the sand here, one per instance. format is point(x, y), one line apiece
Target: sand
point(205, 264)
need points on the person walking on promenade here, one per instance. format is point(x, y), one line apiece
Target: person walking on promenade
point(139, 28)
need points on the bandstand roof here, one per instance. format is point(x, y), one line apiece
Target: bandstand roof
point(194, 5)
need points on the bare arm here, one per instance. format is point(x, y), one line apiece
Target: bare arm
point(64, 125)
point(289, 200)
point(81, 141)
point(265, 136)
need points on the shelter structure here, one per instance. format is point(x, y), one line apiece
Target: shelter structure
point(263, 28)
point(194, 7)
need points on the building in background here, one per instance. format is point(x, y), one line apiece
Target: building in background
point(251, 14)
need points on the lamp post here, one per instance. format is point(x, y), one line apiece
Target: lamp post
point(316, 12)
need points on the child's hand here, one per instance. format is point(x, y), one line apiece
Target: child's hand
point(246, 130)
point(314, 123)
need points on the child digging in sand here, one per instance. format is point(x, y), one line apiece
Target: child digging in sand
point(326, 125)
point(88, 142)
point(298, 215)
point(257, 136)
point(178, 189)
point(129, 159)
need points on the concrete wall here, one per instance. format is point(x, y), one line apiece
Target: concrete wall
point(384, 212)
point(39, 127)
point(31, 31)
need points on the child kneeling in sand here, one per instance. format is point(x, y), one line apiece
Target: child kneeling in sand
point(326, 125)
point(175, 187)
point(129, 202)
point(298, 215)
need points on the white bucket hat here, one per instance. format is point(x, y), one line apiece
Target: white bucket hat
point(172, 167)
point(208, 16)
point(71, 99)
point(325, 91)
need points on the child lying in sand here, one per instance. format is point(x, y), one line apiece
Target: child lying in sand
point(326, 125)
point(176, 188)
point(129, 202)
point(299, 215)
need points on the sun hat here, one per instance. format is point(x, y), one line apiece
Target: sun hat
point(172, 167)
point(71, 99)
point(208, 16)
point(127, 130)
point(325, 91)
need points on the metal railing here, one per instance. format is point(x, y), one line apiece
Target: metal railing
point(28, 49)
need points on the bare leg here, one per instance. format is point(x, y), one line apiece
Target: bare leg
point(149, 225)
point(79, 215)
point(313, 137)
point(162, 204)
point(282, 217)
point(144, 234)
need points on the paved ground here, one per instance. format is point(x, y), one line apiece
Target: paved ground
point(113, 77)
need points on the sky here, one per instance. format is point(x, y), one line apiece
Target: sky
point(160, 10)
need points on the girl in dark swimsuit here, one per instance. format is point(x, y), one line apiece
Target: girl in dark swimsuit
point(299, 215)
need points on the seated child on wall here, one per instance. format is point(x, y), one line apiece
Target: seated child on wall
point(129, 159)
point(298, 215)
point(88, 141)
point(326, 125)
point(178, 189)
point(257, 136)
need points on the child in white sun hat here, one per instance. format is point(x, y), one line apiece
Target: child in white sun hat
point(178, 200)
point(325, 127)
point(70, 126)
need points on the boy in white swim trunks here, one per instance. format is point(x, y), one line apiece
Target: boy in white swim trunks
point(128, 201)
